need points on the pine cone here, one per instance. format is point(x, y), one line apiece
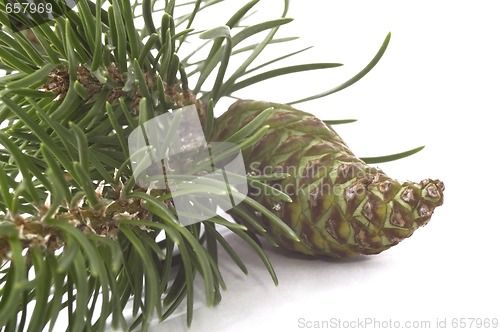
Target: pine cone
point(340, 205)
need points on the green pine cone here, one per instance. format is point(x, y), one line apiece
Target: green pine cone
point(340, 206)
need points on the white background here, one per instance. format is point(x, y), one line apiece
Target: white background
point(438, 86)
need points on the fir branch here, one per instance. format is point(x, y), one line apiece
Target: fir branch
point(76, 231)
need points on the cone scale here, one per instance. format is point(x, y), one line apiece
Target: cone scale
point(340, 205)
